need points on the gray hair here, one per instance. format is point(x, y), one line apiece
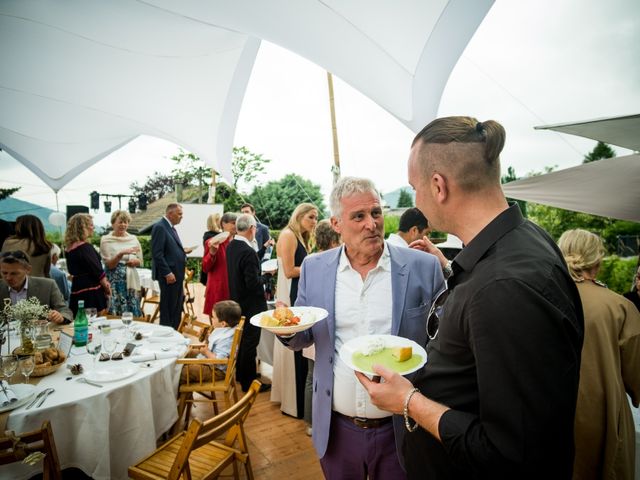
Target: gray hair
point(244, 222)
point(346, 187)
point(228, 217)
point(55, 250)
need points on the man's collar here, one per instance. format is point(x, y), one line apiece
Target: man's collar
point(384, 262)
point(244, 239)
point(496, 229)
point(168, 221)
point(24, 288)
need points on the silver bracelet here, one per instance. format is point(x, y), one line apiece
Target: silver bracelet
point(405, 411)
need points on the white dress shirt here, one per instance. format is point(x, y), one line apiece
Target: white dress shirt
point(397, 240)
point(362, 308)
point(17, 295)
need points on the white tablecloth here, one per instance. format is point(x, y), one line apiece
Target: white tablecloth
point(103, 431)
point(147, 281)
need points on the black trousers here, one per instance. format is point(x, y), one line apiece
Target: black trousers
point(171, 300)
point(246, 363)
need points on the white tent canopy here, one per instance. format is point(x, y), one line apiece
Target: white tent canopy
point(608, 188)
point(81, 78)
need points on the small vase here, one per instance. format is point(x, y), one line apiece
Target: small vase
point(26, 336)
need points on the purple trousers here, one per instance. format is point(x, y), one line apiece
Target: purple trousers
point(355, 453)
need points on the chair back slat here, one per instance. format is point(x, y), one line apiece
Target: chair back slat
point(181, 462)
point(233, 354)
point(15, 449)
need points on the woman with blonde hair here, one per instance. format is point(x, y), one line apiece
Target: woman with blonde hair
point(89, 282)
point(610, 366)
point(295, 242)
point(121, 253)
point(30, 238)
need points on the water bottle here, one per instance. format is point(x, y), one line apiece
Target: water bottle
point(80, 326)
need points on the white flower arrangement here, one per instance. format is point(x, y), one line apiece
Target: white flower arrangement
point(28, 309)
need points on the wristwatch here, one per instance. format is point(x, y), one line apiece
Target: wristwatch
point(447, 271)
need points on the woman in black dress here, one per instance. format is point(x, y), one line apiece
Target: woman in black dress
point(89, 282)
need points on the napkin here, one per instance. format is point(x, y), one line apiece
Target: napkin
point(177, 340)
point(162, 332)
point(7, 395)
point(145, 357)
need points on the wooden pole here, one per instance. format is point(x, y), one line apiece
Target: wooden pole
point(211, 199)
point(334, 129)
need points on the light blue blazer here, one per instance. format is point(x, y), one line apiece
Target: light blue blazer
point(416, 279)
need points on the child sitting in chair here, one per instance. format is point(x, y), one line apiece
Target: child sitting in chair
point(225, 318)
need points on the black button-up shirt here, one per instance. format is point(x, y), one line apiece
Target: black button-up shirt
point(506, 360)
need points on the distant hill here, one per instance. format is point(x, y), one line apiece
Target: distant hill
point(12, 208)
point(391, 198)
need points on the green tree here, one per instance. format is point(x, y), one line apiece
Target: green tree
point(600, 151)
point(511, 177)
point(405, 200)
point(246, 166)
point(276, 200)
point(7, 192)
point(229, 197)
point(191, 170)
point(156, 187)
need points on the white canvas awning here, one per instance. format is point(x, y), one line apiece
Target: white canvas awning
point(621, 131)
point(81, 78)
point(608, 188)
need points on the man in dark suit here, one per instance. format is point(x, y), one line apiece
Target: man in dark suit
point(246, 286)
point(16, 285)
point(263, 238)
point(168, 264)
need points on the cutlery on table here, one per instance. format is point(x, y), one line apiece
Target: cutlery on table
point(84, 380)
point(45, 396)
point(33, 402)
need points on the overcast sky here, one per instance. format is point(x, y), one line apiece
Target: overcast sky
point(530, 63)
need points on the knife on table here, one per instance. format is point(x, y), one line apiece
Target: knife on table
point(32, 403)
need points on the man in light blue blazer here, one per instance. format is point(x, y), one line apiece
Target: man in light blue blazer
point(368, 287)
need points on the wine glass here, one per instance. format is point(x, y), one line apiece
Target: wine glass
point(109, 344)
point(94, 346)
point(9, 366)
point(92, 313)
point(27, 364)
point(127, 318)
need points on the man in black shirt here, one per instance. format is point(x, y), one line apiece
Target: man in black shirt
point(497, 396)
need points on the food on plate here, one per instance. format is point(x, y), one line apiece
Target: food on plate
point(402, 354)
point(281, 317)
point(374, 345)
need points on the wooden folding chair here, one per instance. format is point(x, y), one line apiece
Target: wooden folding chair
point(189, 297)
point(17, 448)
point(206, 387)
point(149, 298)
point(196, 454)
point(192, 327)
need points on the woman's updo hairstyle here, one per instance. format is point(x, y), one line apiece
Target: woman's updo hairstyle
point(582, 250)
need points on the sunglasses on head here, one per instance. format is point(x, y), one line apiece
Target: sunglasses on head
point(15, 255)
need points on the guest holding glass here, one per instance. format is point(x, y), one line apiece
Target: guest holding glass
point(214, 264)
point(89, 282)
point(121, 253)
point(295, 242)
point(30, 238)
point(610, 367)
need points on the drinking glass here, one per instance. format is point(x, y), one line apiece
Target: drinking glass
point(127, 318)
point(94, 346)
point(109, 344)
point(92, 313)
point(9, 366)
point(27, 364)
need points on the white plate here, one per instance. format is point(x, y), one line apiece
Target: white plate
point(308, 316)
point(112, 373)
point(219, 238)
point(357, 344)
point(24, 393)
point(269, 265)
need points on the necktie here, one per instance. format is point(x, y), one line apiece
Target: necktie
point(175, 235)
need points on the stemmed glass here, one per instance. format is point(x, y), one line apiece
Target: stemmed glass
point(92, 313)
point(94, 345)
point(109, 344)
point(27, 364)
point(127, 318)
point(9, 366)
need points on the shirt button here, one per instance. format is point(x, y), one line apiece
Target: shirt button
point(328, 393)
point(331, 360)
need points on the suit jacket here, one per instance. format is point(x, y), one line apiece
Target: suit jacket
point(167, 252)
point(416, 279)
point(262, 235)
point(246, 285)
point(47, 293)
